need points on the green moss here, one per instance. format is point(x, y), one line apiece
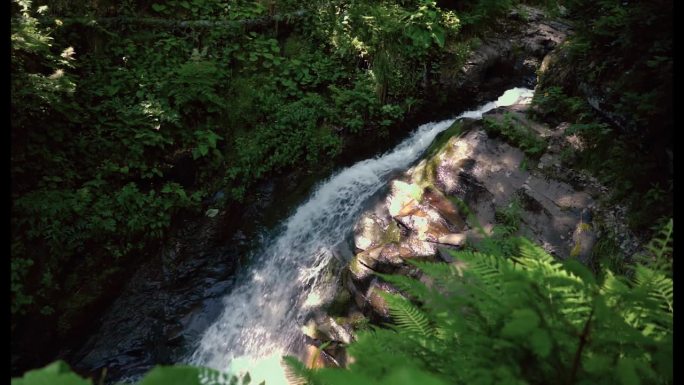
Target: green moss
point(392, 234)
point(441, 140)
point(425, 172)
point(517, 134)
point(340, 304)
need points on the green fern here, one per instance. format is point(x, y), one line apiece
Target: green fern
point(659, 249)
point(296, 372)
point(525, 319)
point(407, 317)
point(415, 289)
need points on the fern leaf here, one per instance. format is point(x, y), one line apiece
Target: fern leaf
point(296, 372)
point(532, 252)
point(488, 268)
point(410, 286)
point(660, 288)
point(659, 249)
point(408, 317)
point(435, 269)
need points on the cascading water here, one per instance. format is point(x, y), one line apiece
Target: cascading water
point(266, 308)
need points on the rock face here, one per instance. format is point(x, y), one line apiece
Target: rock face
point(516, 50)
point(166, 305)
point(486, 175)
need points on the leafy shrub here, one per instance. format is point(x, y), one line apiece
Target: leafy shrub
point(555, 106)
point(621, 56)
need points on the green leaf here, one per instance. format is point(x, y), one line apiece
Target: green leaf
point(596, 364)
point(541, 343)
point(408, 317)
point(439, 37)
point(576, 267)
point(410, 376)
point(523, 322)
point(158, 7)
point(626, 372)
point(184, 375)
point(57, 373)
point(246, 379)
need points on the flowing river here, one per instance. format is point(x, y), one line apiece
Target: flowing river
point(290, 274)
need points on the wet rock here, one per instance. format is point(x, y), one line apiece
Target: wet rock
point(445, 208)
point(515, 51)
point(424, 223)
point(368, 232)
point(455, 179)
point(418, 248)
point(453, 239)
point(356, 292)
point(485, 174)
point(391, 257)
point(331, 330)
point(360, 272)
point(402, 195)
point(375, 302)
point(166, 305)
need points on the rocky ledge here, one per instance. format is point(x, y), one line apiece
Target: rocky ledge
point(455, 196)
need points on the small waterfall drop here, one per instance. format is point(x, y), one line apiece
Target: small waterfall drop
point(287, 278)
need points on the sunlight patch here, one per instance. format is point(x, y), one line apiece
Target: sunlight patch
point(515, 96)
point(269, 368)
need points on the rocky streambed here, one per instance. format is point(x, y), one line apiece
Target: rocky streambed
point(452, 198)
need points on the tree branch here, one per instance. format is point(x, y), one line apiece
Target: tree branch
point(583, 341)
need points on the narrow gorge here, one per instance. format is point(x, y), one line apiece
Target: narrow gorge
point(284, 192)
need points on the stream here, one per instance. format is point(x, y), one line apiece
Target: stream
point(295, 270)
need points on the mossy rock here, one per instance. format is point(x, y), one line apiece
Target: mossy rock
point(340, 304)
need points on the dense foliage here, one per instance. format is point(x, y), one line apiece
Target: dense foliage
point(621, 53)
point(121, 123)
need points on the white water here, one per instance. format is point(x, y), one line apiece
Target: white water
point(265, 310)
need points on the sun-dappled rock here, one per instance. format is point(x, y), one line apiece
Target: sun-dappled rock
point(445, 208)
point(367, 233)
point(453, 239)
point(401, 195)
point(376, 303)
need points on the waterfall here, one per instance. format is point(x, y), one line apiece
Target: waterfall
point(287, 277)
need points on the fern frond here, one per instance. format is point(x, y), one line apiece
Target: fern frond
point(659, 249)
point(442, 274)
point(297, 373)
point(531, 252)
point(470, 216)
point(408, 285)
point(659, 286)
point(408, 318)
point(487, 268)
point(436, 270)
